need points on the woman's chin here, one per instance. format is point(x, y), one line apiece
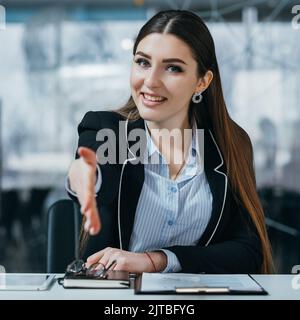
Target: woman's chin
point(150, 115)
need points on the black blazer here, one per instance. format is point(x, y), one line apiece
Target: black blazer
point(229, 244)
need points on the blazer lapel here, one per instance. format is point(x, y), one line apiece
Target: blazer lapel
point(215, 171)
point(131, 186)
point(133, 178)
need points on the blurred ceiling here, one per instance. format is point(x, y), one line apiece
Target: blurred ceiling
point(230, 9)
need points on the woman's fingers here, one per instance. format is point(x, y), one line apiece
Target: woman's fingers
point(96, 256)
point(88, 155)
point(112, 265)
point(93, 223)
point(90, 187)
point(104, 261)
point(82, 178)
point(85, 186)
point(104, 258)
point(117, 259)
point(90, 210)
point(88, 200)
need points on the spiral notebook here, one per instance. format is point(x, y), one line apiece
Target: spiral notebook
point(185, 283)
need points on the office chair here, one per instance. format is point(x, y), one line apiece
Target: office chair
point(62, 234)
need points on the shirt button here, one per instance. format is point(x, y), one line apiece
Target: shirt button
point(170, 222)
point(173, 189)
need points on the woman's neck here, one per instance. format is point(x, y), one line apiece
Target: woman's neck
point(169, 124)
point(171, 138)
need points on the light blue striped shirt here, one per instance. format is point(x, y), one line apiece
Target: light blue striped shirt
point(171, 212)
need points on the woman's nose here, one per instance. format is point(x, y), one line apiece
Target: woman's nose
point(152, 79)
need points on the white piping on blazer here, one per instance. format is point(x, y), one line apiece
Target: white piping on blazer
point(225, 192)
point(134, 158)
point(120, 184)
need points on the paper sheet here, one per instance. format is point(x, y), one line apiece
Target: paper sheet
point(170, 281)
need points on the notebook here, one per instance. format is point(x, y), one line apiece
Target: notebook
point(185, 283)
point(113, 280)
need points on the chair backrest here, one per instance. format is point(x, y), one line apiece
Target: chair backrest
point(61, 235)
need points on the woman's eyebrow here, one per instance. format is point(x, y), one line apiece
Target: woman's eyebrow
point(165, 60)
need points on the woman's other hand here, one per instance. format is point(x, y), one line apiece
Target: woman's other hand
point(129, 261)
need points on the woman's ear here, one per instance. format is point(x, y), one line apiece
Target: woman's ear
point(204, 81)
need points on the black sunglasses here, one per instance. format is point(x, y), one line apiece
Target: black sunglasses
point(78, 267)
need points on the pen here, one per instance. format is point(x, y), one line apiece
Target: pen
point(203, 290)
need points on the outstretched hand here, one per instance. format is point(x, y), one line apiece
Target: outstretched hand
point(82, 176)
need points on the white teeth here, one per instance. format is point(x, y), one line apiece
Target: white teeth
point(151, 98)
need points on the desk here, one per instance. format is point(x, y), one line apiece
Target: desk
point(278, 286)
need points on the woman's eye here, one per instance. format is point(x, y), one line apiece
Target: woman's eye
point(175, 69)
point(142, 62)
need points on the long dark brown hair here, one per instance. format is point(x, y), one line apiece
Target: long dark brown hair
point(212, 113)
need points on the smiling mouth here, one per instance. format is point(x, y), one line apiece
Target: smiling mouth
point(151, 98)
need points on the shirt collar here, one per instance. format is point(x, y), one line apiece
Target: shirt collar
point(151, 147)
point(194, 155)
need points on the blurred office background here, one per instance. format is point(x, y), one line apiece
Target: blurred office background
point(60, 59)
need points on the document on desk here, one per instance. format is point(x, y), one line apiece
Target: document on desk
point(186, 283)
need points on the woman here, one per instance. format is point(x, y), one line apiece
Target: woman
point(171, 216)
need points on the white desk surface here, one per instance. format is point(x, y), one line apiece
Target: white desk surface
point(278, 286)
